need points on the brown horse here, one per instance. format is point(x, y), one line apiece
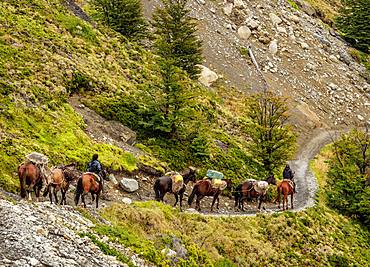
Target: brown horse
point(59, 179)
point(252, 189)
point(205, 188)
point(285, 187)
point(164, 185)
point(30, 179)
point(89, 182)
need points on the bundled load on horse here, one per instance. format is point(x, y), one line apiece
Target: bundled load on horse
point(177, 181)
point(37, 158)
point(41, 161)
point(32, 174)
point(211, 174)
point(216, 179)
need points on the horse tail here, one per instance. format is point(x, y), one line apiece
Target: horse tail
point(192, 195)
point(278, 194)
point(237, 194)
point(156, 190)
point(22, 179)
point(79, 191)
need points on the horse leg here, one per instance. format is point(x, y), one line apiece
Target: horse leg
point(218, 202)
point(197, 206)
point(30, 187)
point(92, 197)
point(181, 196)
point(291, 200)
point(285, 201)
point(97, 200)
point(83, 198)
point(63, 196)
point(213, 201)
point(50, 195)
point(55, 195)
point(177, 199)
point(260, 202)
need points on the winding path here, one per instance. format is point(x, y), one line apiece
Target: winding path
point(305, 180)
point(306, 184)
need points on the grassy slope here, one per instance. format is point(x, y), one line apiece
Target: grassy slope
point(318, 236)
point(43, 49)
point(46, 52)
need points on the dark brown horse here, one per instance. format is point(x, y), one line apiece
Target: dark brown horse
point(59, 179)
point(204, 188)
point(164, 185)
point(286, 188)
point(89, 182)
point(30, 179)
point(252, 189)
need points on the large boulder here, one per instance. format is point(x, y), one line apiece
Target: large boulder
point(275, 19)
point(244, 32)
point(129, 185)
point(207, 77)
point(273, 47)
point(228, 8)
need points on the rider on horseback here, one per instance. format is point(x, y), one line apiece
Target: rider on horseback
point(289, 174)
point(95, 166)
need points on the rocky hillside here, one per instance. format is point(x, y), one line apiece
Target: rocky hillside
point(300, 56)
point(57, 64)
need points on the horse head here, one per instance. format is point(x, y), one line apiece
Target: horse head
point(104, 174)
point(271, 179)
point(229, 183)
point(189, 174)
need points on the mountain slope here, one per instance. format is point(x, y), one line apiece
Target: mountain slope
point(312, 65)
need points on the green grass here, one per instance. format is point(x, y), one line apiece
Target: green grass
point(316, 237)
point(293, 4)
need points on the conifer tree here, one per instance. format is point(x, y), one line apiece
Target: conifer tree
point(123, 16)
point(168, 102)
point(354, 23)
point(175, 35)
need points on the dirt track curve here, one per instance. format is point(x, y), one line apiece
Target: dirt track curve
point(306, 185)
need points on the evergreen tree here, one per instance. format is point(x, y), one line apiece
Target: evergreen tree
point(348, 170)
point(123, 16)
point(168, 103)
point(354, 23)
point(272, 143)
point(175, 36)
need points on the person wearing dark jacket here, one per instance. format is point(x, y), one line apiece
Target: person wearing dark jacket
point(289, 174)
point(95, 166)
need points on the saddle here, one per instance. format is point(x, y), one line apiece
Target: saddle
point(97, 178)
point(290, 182)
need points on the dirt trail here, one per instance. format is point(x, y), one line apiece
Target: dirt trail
point(306, 184)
